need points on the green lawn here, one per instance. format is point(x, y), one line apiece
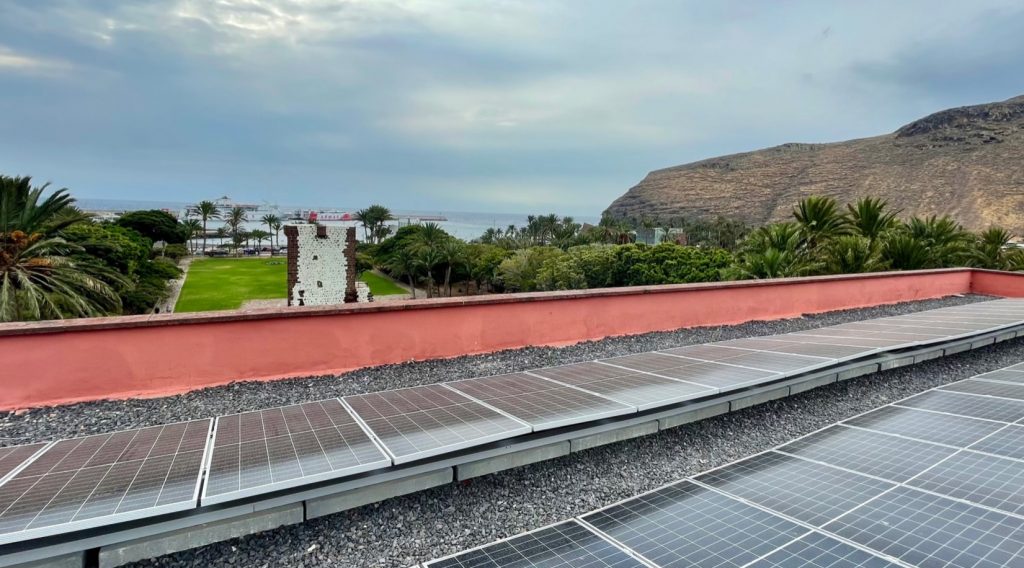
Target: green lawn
point(381, 286)
point(225, 283)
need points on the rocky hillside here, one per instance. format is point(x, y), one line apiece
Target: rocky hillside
point(967, 162)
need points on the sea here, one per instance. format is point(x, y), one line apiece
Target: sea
point(462, 224)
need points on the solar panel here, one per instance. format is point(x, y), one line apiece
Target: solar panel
point(866, 345)
point(900, 337)
point(803, 347)
point(105, 479)
point(871, 453)
point(688, 525)
point(267, 450)
point(641, 390)
point(927, 530)
point(1007, 442)
point(1003, 376)
point(1017, 367)
point(987, 388)
point(647, 362)
point(720, 376)
point(1002, 409)
point(541, 403)
point(565, 545)
point(419, 422)
point(958, 431)
point(13, 457)
point(804, 490)
point(769, 361)
point(978, 478)
point(907, 327)
point(816, 550)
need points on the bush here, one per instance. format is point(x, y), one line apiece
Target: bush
point(640, 265)
point(518, 273)
point(155, 225)
point(173, 252)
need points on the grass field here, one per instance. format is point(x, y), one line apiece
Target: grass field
point(225, 283)
point(381, 286)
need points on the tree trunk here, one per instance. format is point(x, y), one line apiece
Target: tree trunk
point(448, 280)
point(204, 236)
point(412, 286)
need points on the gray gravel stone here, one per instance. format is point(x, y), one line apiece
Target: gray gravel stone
point(433, 523)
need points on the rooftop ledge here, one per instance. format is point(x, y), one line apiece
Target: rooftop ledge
point(158, 355)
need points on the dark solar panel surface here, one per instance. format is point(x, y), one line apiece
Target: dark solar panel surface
point(773, 361)
point(986, 407)
point(1004, 376)
point(927, 530)
point(801, 489)
point(850, 341)
point(871, 453)
point(958, 431)
point(641, 390)
point(271, 449)
point(688, 525)
point(978, 478)
point(565, 545)
point(1008, 442)
point(987, 388)
point(13, 456)
point(816, 550)
point(429, 420)
point(541, 403)
point(103, 479)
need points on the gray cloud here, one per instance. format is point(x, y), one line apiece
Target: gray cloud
point(460, 104)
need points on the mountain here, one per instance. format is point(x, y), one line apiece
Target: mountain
point(967, 162)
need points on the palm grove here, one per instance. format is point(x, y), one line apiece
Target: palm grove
point(553, 253)
point(57, 262)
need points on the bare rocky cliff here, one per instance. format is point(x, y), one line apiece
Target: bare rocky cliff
point(967, 162)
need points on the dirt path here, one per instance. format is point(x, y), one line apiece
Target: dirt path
point(168, 304)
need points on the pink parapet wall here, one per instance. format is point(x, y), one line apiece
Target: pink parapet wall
point(60, 362)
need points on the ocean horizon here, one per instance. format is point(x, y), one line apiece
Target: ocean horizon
point(466, 225)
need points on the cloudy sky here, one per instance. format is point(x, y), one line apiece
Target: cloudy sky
point(472, 105)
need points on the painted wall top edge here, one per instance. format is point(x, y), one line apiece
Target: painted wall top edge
point(157, 320)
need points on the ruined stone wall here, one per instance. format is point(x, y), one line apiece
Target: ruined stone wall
point(321, 265)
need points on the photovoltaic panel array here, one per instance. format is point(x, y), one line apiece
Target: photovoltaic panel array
point(267, 450)
point(541, 403)
point(13, 457)
point(105, 479)
point(420, 422)
point(721, 376)
point(933, 480)
point(565, 545)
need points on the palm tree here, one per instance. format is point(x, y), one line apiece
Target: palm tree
point(404, 264)
point(373, 219)
point(38, 277)
point(270, 220)
point(946, 241)
point(819, 219)
point(259, 235)
point(193, 227)
point(851, 254)
point(276, 227)
point(869, 218)
point(235, 218)
point(990, 250)
point(206, 210)
point(451, 252)
point(222, 233)
point(429, 258)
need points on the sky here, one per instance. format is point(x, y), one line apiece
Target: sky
point(465, 105)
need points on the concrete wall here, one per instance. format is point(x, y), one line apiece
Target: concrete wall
point(75, 360)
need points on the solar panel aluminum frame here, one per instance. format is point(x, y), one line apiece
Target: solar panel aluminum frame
point(28, 461)
point(295, 482)
point(117, 518)
point(710, 391)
